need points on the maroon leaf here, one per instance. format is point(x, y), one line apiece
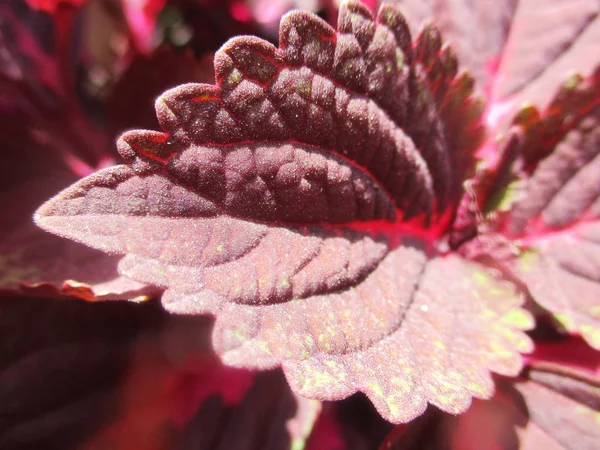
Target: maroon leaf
point(132, 97)
point(60, 361)
point(303, 200)
point(553, 220)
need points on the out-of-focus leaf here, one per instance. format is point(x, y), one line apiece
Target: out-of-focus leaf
point(477, 30)
point(519, 51)
point(553, 222)
point(300, 200)
point(131, 100)
point(51, 6)
point(552, 409)
point(112, 375)
point(568, 351)
point(60, 362)
point(269, 416)
point(547, 42)
point(37, 87)
point(141, 17)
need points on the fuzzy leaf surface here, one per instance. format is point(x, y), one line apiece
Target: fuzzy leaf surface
point(300, 201)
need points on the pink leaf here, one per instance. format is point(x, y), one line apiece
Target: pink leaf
point(304, 201)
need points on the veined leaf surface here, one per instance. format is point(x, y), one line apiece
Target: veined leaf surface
point(304, 201)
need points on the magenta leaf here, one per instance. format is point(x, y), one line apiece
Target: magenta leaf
point(304, 201)
point(553, 218)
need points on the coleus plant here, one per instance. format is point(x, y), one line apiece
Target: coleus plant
point(336, 204)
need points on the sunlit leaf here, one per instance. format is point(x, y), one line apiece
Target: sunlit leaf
point(304, 201)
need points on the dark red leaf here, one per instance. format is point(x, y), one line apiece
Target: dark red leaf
point(303, 200)
point(132, 97)
point(51, 6)
point(60, 360)
point(269, 416)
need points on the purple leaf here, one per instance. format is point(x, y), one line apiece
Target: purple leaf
point(554, 218)
point(303, 200)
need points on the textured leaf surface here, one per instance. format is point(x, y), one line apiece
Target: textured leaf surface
point(555, 217)
point(300, 200)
